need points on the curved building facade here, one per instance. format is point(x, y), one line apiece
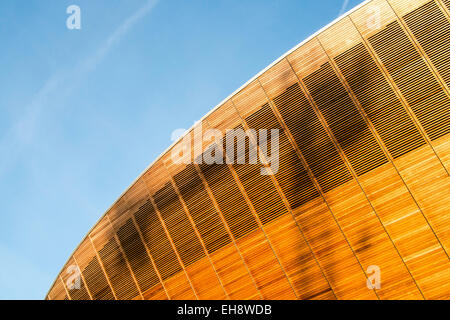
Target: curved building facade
point(358, 206)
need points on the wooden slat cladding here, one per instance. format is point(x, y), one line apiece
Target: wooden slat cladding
point(156, 241)
point(409, 247)
point(71, 271)
point(261, 191)
point(273, 282)
point(250, 240)
point(447, 3)
point(137, 256)
point(58, 291)
point(291, 175)
point(201, 209)
point(370, 18)
point(277, 79)
point(363, 115)
point(249, 99)
point(339, 263)
point(117, 270)
point(79, 293)
point(420, 88)
point(264, 264)
point(312, 139)
point(277, 218)
point(235, 273)
point(360, 226)
point(318, 233)
point(398, 215)
point(180, 230)
point(96, 280)
point(225, 117)
point(344, 120)
point(229, 262)
point(300, 264)
point(431, 28)
point(379, 101)
point(89, 265)
point(229, 198)
point(137, 195)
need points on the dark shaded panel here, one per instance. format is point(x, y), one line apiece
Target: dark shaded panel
point(344, 120)
point(117, 270)
point(157, 241)
point(137, 256)
point(96, 281)
point(178, 225)
point(201, 208)
point(379, 101)
point(432, 29)
point(229, 198)
point(292, 176)
point(414, 79)
point(312, 139)
point(260, 188)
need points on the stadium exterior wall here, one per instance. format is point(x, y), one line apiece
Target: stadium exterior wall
point(363, 109)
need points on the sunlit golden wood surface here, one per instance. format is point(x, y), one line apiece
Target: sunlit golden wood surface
point(364, 113)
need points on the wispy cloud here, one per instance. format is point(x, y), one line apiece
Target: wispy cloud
point(117, 35)
point(22, 133)
point(343, 8)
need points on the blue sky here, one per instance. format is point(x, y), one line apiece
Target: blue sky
point(84, 112)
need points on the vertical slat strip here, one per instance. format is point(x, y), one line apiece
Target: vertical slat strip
point(214, 288)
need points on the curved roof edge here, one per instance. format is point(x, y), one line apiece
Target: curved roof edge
point(204, 117)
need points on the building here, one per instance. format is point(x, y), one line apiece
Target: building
point(358, 209)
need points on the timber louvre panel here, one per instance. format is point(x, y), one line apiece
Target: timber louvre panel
point(356, 223)
point(75, 293)
point(431, 28)
point(157, 241)
point(379, 101)
point(260, 189)
point(287, 239)
point(292, 176)
point(92, 272)
point(324, 234)
point(180, 229)
point(311, 138)
point(117, 270)
point(79, 294)
point(447, 3)
point(285, 236)
point(96, 281)
point(203, 273)
point(344, 120)
point(137, 256)
point(58, 291)
point(229, 198)
point(201, 209)
point(266, 272)
point(230, 262)
point(417, 84)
